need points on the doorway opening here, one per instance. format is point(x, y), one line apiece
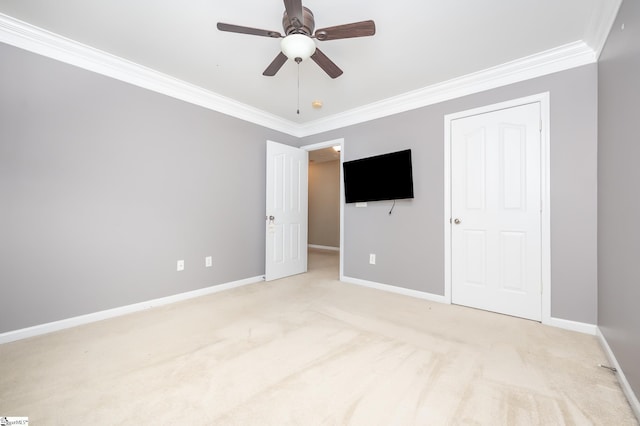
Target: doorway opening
point(325, 205)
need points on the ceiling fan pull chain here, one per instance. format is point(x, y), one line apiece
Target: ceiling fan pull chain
point(298, 110)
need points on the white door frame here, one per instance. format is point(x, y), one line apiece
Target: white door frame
point(329, 144)
point(545, 224)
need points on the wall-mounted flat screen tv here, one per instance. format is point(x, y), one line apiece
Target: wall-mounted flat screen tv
point(383, 177)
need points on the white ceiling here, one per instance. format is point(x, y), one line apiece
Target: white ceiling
point(418, 44)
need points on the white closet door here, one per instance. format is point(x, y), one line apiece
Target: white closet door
point(496, 211)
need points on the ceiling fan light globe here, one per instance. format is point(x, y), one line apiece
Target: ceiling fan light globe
point(298, 46)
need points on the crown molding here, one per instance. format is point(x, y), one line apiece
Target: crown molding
point(37, 40)
point(554, 60)
point(603, 16)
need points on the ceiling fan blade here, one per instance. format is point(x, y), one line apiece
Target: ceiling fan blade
point(275, 66)
point(294, 12)
point(356, 29)
point(326, 64)
point(247, 30)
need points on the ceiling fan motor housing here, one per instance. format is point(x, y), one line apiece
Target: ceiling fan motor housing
point(307, 26)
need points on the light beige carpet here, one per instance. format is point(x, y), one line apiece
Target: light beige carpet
point(309, 350)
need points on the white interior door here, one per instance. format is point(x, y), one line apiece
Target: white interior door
point(286, 211)
point(496, 211)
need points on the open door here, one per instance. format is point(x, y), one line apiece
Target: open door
point(286, 211)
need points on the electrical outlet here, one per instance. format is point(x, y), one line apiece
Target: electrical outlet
point(372, 259)
point(180, 265)
point(208, 261)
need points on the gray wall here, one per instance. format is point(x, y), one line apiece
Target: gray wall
point(409, 243)
point(324, 203)
point(104, 186)
point(618, 202)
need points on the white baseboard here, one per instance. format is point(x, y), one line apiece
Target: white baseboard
point(399, 290)
point(316, 246)
point(554, 322)
point(624, 384)
point(40, 329)
point(581, 327)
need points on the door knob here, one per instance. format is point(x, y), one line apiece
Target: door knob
point(457, 221)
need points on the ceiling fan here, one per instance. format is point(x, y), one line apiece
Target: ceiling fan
point(297, 42)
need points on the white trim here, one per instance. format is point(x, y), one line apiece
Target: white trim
point(545, 225)
point(603, 16)
point(580, 327)
point(562, 58)
point(37, 40)
point(395, 289)
point(622, 379)
point(447, 210)
point(329, 144)
point(323, 145)
point(40, 329)
point(29, 37)
point(319, 247)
